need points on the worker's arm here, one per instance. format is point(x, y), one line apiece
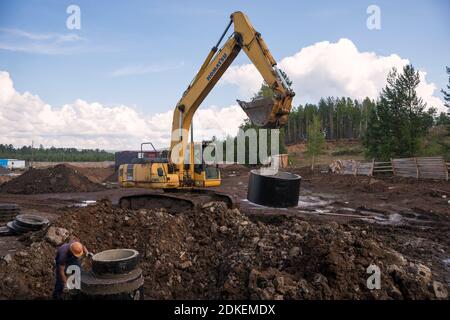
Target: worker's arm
point(87, 253)
point(62, 274)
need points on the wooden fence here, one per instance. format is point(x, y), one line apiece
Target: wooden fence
point(419, 168)
point(352, 167)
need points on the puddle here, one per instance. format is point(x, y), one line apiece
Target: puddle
point(447, 261)
point(392, 219)
point(258, 206)
point(305, 203)
point(311, 202)
point(84, 203)
point(324, 205)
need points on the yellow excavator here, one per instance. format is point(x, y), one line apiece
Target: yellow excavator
point(173, 172)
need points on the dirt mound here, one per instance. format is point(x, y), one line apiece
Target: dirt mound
point(114, 177)
point(60, 178)
point(220, 254)
point(97, 175)
point(4, 170)
point(234, 169)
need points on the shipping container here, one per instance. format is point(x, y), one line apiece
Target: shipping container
point(12, 163)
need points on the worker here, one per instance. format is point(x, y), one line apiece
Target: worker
point(68, 254)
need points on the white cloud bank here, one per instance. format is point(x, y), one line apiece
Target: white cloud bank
point(25, 117)
point(323, 69)
point(332, 69)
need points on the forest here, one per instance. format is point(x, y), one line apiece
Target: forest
point(397, 124)
point(341, 118)
point(53, 154)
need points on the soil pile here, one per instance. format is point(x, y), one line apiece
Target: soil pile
point(112, 178)
point(220, 253)
point(4, 170)
point(60, 178)
point(97, 175)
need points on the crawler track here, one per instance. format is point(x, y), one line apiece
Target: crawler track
point(175, 200)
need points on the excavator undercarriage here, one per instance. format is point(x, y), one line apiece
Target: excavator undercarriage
point(175, 200)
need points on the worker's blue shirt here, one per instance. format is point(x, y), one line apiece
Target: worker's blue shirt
point(64, 257)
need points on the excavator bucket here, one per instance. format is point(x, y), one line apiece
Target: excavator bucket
point(258, 111)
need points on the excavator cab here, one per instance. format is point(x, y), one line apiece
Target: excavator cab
point(205, 175)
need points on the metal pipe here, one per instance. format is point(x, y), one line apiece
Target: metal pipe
point(280, 75)
point(181, 125)
point(223, 34)
point(191, 152)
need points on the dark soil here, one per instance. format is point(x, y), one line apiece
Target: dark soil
point(60, 178)
point(4, 170)
point(219, 253)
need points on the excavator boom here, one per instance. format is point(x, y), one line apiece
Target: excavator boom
point(266, 112)
point(173, 173)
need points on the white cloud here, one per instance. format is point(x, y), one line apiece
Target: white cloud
point(42, 43)
point(146, 69)
point(25, 117)
point(332, 69)
point(322, 69)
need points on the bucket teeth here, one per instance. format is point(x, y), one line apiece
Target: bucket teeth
point(258, 111)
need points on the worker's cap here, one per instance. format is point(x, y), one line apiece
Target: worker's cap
point(77, 249)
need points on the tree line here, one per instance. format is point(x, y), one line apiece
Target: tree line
point(53, 154)
point(397, 124)
point(340, 118)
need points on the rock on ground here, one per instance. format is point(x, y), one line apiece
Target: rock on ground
point(219, 253)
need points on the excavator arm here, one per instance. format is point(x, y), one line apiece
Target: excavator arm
point(266, 112)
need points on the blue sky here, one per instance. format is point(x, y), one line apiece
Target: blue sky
point(143, 54)
point(172, 38)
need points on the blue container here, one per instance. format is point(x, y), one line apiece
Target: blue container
point(4, 163)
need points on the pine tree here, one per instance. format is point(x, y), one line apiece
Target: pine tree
point(398, 121)
point(316, 140)
point(445, 93)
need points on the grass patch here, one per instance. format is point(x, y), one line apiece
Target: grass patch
point(348, 152)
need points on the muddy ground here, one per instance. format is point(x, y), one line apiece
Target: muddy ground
point(320, 249)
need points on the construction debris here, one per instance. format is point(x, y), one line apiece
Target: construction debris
point(114, 276)
point(60, 178)
point(8, 212)
point(219, 253)
point(24, 223)
point(57, 236)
